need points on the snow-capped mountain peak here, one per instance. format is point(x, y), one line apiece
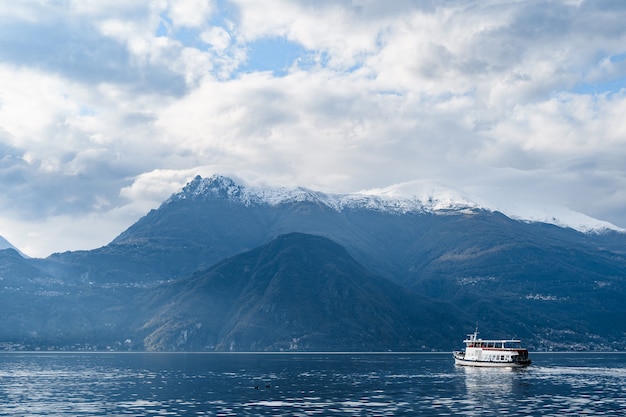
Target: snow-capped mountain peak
point(392, 199)
point(408, 197)
point(430, 195)
point(559, 216)
point(215, 185)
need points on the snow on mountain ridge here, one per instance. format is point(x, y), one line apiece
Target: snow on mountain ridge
point(379, 200)
point(562, 217)
point(409, 197)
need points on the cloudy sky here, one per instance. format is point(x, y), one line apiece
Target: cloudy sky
point(108, 107)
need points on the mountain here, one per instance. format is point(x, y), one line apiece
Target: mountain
point(210, 219)
point(298, 292)
point(38, 309)
point(556, 287)
point(213, 218)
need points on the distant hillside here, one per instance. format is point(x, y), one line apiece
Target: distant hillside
point(39, 310)
point(298, 292)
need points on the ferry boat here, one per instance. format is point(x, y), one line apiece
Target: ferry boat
point(491, 353)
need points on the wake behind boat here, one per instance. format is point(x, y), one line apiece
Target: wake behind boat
point(491, 353)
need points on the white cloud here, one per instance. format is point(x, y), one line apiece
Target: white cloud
point(108, 107)
point(327, 26)
point(150, 189)
point(566, 126)
point(96, 8)
point(192, 13)
point(31, 102)
point(217, 37)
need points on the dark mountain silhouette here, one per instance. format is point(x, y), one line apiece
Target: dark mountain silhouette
point(298, 292)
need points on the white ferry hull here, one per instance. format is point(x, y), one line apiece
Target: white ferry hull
point(489, 364)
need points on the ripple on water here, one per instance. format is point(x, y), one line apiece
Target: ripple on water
point(290, 385)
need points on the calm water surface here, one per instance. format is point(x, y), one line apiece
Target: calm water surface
point(139, 384)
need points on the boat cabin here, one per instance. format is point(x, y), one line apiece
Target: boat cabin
point(494, 344)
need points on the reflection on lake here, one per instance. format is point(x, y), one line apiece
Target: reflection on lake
point(139, 384)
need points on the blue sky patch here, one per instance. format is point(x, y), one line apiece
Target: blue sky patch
point(605, 86)
point(273, 54)
point(608, 84)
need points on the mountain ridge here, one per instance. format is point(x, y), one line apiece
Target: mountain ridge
point(400, 198)
point(226, 188)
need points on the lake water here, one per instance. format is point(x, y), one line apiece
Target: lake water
point(140, 384)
